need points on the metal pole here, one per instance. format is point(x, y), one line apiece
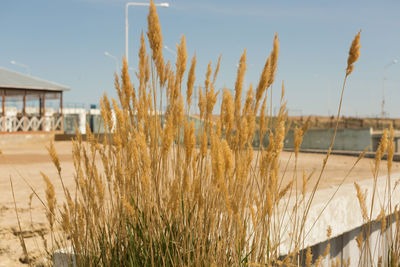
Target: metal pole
point(24, 108)
point(44, 112)
point(61, 110)
point(40, 106)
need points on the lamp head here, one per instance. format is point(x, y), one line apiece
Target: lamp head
point(164, 4)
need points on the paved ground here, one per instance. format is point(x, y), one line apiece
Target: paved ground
point(29, 159)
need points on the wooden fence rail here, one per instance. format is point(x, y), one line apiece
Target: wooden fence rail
point(31, 124)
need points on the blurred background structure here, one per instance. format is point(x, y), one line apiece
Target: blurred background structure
point(24, 101)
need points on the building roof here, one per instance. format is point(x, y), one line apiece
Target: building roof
point(14, 80)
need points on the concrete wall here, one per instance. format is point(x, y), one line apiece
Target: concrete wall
point(79, 117)
point(96, 123)
point(343, 215)
point(346, 139)
point(314, 139)
point(344, 247)
point(70, 122)
point(74, 117)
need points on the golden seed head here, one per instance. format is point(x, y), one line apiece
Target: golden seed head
point(239, 86)
point(274, 60)
point(181, 58)
point(167, 136)
point(51, 199)
point(384, 142)
point(354, 53)
point(298, 139)
point(189, 140)
point(202, 102)
point(190, 81)
point(127, 88)
point(380, 152)
point(142, 59)
point(263, 83)
point(204, 144)
point(227, 112)
point(211, 99)
point(128, 207)
point(280, 136)
point(217, 161)
point(248, 101)
point(360, 240)
point(54, 157)
point(65, 223)
point(263, 124)
point(228, 156)
point(329, 232)
point(382, 218)
point(283, 192)
point(154, 32)
point(308, 257)
point(147, 71)
point(217, 69)
point(208, 76)
point(361, 200)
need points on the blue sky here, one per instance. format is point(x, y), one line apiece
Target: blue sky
point(65, 41)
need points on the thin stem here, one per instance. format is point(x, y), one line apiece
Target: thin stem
point(308, 206)
point(21, 238)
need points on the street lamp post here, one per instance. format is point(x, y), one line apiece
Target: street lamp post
point(113, 57)
point(127, 24)
point(28, 70)
point(383, 86)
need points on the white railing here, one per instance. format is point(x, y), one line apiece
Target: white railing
point(31, 124)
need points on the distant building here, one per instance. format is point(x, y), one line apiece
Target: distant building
point(24, 99)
